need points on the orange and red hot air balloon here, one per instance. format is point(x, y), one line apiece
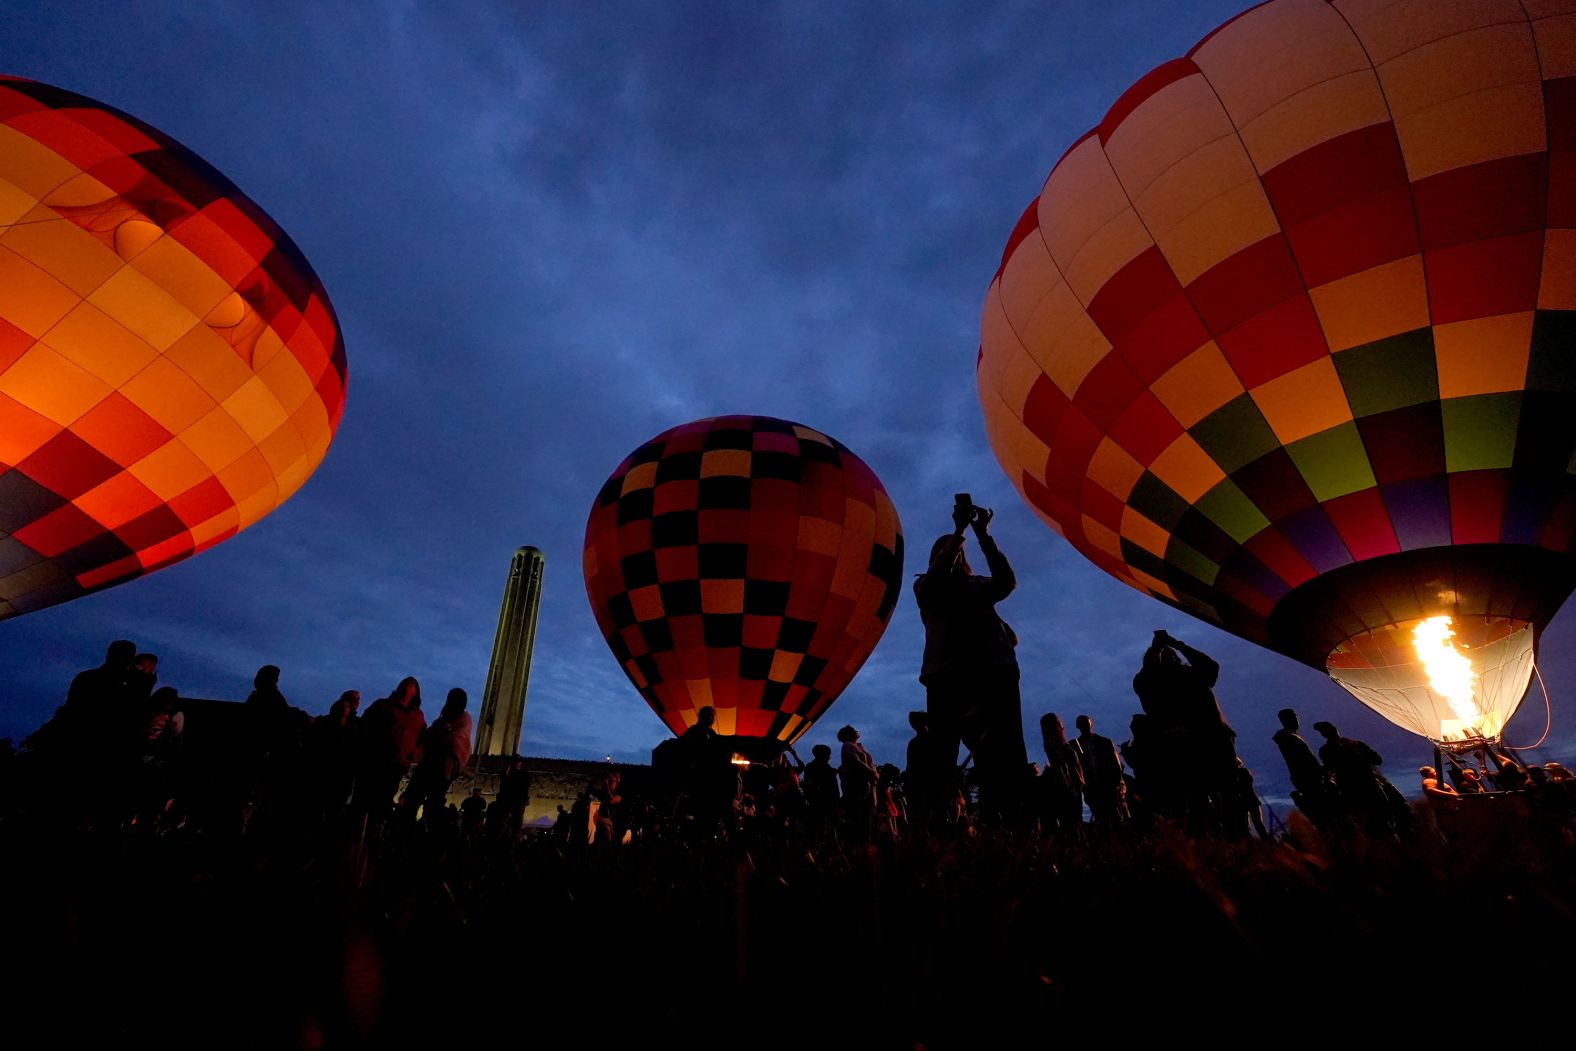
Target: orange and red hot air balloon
point(170, 367)
point(746, 563)
point(1288, 341)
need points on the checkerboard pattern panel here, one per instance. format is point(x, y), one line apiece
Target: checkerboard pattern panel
point(746, 563)
point(1306, 297)
point(170, 367)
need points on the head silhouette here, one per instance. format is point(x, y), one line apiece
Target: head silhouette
point(707, 716)
point(1085, 724)
point(455, 703)
point(408, 693)
point(960, 561)
point(1051, 728)
point(267, 677)
point(121, 652)
point(822, 752)
point(847, 734)
point(1325, 728)
point(1288, 719)
point(919, 722)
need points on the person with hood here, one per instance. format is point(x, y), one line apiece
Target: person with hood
point(389, 741)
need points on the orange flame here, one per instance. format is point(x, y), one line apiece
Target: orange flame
point(1449, 671)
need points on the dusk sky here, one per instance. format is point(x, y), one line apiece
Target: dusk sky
point(554, 231)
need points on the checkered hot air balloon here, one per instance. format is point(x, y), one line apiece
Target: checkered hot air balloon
point(745, 563)
point(170, 368)
point(1288, 341)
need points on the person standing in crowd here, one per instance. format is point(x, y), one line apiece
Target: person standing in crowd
point(929, 782)
point(1248, 806)
point(331, 746)
point(859, 775)
point(1312, 791)
point(1354, 768)
point(1189, 748)
point(473, 812)
point(85, 724)
point(820, 786)
point(1061, 783)
point(445, 749)
point(514, 795)
point(1104, 789)
point(710, 782)
point(970, 666)
point(389, 743)
point(265, 690)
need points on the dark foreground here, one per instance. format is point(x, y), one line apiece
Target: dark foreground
point(982, 940)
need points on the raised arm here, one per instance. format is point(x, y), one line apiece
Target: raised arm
point(1202, 662)
point(1002, 579)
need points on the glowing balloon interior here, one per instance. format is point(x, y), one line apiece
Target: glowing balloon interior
point(745, 563)
point(1287, 340)
point(1451, 680)
point(170, 367)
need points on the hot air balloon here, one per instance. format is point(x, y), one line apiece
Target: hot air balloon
point(746, 563)
point(170, 367)
point(1288, 342)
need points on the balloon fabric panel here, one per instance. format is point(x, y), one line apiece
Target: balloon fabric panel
point(1302, 301)
point(170, 367)
point(745, 563)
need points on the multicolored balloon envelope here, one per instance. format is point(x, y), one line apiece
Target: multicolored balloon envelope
point(745, 563)
point(1288, 341)
point(170, 368)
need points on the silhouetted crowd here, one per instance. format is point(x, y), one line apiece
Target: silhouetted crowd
point(116, 754)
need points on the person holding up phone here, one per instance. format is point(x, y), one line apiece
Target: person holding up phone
point(970, 667)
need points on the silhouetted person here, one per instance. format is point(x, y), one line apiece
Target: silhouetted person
point(1509, 775)
point(1061, 783)
point(1157, 755)
point(514, 795)
point(603, 793)
point(1249, 808)
point(1104, 790)
point(1470, 783)
point(265, 690)
point(106, 685)
point(142, 676)
point(473, 813)
point(930, 777)
point(1353, 766)
point(389, 742)
point(785, 790)
point(266, 713)
point(711, 784)
point(331, 745)
point(970, 667)
point(155, 751)
point(1312, 790)
point(1176, 688)
point(891, 800)
point(820, 785)
point(87, 724)
point(445, 749)
point(859, 776)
